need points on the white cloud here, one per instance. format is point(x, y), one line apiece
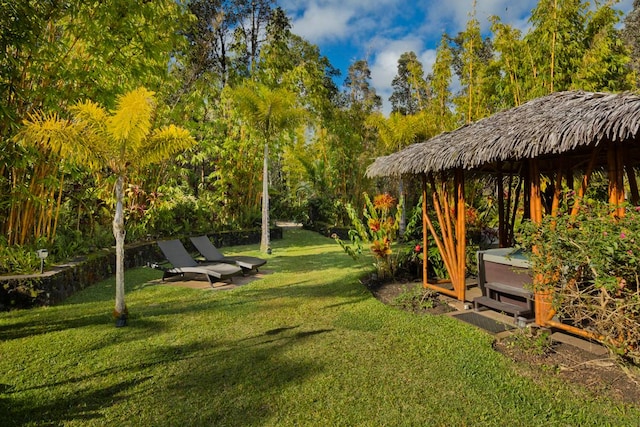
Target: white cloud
point(457, 13)
point(323, 24)
point(331, 20)
point(384, 64)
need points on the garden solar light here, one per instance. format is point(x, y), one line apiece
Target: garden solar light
point(42, 254)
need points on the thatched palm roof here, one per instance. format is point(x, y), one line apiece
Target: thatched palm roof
point(558, 123)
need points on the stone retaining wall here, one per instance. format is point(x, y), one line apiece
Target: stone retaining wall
point(62, 281)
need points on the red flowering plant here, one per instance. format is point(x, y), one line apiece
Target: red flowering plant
point(378, 234)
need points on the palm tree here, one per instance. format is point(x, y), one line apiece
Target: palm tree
point(119, 142)
point(397, 131)
point(270, 112)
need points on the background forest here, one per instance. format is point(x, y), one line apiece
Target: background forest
point(232, 73)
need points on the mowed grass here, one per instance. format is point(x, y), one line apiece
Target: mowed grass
point(305, 345)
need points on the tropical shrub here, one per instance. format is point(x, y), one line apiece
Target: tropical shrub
point(18, 259)
point(378, 232)
point(414, 249)
point(590, 263)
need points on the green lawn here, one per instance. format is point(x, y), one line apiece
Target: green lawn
point(306, 345)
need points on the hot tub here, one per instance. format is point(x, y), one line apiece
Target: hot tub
point(504, 277)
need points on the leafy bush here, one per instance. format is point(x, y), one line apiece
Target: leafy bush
point(413, 236)
point(534, 341)
point(590, 263)
point(170, 213)
point(379, 233)
point(18, 260)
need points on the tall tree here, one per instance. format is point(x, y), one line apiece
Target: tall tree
point(605, 64)
point(54, 53)
point(355, 144)
point(471, 57)
point(556, 45)
point(269, 112)
point(509, 46)
point(440, 82)
point(631, 37)
point(359, 92)
point(120, 142)
point(256, 15)
point(410, 89)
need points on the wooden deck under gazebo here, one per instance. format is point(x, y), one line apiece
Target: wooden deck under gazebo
point(561, 138)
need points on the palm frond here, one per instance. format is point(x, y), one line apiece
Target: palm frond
point(131, 120)
point(163, 143)
point(60, 136)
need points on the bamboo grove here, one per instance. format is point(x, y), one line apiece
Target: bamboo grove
point(197, 55)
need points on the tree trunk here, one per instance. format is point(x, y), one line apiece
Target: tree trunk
point(403, 215)
point(264, 241)
point(118, 233)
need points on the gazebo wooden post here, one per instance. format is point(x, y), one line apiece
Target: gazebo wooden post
point(633, 183)
point(425, 232)
point(535, 195)
point(502, 228)
point(616, 179)
point(461, 235)
point(557, 191)
point(542, 297)
point(620, 181)
point(585, 182)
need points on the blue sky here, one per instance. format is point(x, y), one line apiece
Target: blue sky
point(381, 30)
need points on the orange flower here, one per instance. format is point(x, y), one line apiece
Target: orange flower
point(387, 225)
point(383, 201)
point(374, 224)
point(381, 248)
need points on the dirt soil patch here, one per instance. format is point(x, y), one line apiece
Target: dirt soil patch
point(598, 374)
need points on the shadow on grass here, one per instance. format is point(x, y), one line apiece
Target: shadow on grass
point(201, 383)
point(242, 385)
point(79, 406)
point(353, 292)
point(91, 314)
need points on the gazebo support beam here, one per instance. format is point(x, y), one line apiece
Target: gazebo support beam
point(616, 179)
point(461, 234)
point(452, 241)
point(425, 232)
point(585, 182)
point(633, 185)
point(502, 227)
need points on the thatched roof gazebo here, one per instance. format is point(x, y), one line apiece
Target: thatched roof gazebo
point(557, 124)
point(562, 136)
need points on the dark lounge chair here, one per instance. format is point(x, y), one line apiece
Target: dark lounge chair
point(212, 254)
point(182, 263)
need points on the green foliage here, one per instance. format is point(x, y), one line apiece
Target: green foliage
point(174, 213)
point(605, 64)
point(379, 233)
point(18, 260)
point(417, 299)
point(413, 235)
point(591, 264)
point(556, 44)
point(534, 341)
